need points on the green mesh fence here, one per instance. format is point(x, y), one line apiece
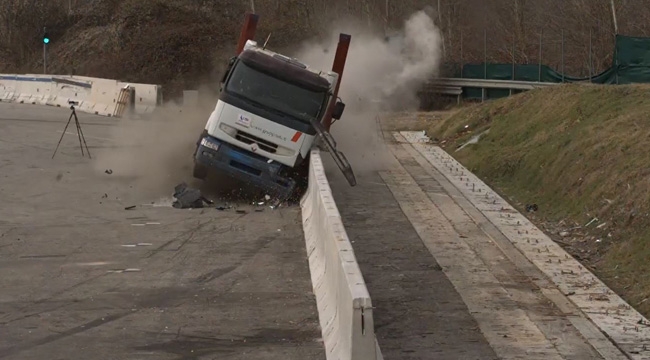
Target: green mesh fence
point(631, 64)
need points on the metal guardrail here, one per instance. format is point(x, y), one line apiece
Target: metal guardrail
point(454, 86)
point(490, 84)
point(444, 89)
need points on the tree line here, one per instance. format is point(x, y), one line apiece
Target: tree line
point(514, 28)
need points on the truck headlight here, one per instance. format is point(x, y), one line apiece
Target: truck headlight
point(210, 145)
point(228, 129)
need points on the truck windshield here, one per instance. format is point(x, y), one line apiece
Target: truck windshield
point(274, 93)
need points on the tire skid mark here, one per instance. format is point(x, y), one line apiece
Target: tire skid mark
point(73, 331)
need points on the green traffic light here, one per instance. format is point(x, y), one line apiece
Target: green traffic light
point(46, 40)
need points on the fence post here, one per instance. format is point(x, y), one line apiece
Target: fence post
point(615, 57)
point(484, 62)
point(541, 32)
point(461, 54)
point(514, 41)
point(562, 55)
point(591, 64)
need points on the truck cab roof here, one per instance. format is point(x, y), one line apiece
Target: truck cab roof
point(287, 68)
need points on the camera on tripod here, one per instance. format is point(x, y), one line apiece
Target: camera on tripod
point(80, 133)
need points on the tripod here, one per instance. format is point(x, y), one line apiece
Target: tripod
point(80, 133)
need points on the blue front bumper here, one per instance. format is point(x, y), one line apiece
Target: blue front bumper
point(245, 166)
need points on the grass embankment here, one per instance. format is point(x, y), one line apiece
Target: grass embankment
point(579, 152)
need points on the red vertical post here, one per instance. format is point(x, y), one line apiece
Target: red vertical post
point(338, 67)
point(248, 31)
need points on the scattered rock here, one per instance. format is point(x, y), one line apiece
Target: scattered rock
point(564, 233)
point(188, 198)
point(532, 207)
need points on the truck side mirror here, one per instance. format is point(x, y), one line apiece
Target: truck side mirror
point(339, 107)
point(231, 62)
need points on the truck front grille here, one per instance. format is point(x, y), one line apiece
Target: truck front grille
point(263, 144)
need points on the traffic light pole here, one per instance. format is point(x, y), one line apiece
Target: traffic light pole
point(44, 58)
point(44, 53)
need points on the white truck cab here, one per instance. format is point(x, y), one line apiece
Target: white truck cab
point(262, 128)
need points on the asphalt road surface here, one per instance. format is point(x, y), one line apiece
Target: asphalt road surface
point(83, 278)
point(444, 284)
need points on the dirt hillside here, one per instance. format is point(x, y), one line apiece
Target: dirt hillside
point(580, 153)
point(157, 41)
point(179, 44)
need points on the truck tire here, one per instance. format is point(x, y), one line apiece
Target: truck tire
point(200, 172)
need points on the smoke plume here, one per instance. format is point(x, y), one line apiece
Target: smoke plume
point(381, 73)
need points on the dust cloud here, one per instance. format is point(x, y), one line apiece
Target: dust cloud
point(382, 73)
point(153, 153)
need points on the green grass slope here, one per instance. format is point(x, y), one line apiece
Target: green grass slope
point(579, 152)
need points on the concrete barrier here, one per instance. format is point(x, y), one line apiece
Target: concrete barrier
point(344, 305)
point(33, 89)
point(94, 95)
point(66, 89)
point(7, 87)
point(147, 97)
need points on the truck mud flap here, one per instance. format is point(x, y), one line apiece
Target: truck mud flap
point(339, 158)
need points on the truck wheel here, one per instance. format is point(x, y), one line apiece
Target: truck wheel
point(200, 172)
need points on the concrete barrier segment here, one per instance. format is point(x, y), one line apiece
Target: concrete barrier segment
point(342, 298)
point(94, 95)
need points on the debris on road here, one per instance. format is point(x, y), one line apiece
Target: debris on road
point(532, 207)
point(188, 198)
point(136, 245)
point(130, 207)
point(422, 137)
point(123, 270)
point(108, 171)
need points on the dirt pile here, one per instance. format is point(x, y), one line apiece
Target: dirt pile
point(575, 158)
point(179, 44)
